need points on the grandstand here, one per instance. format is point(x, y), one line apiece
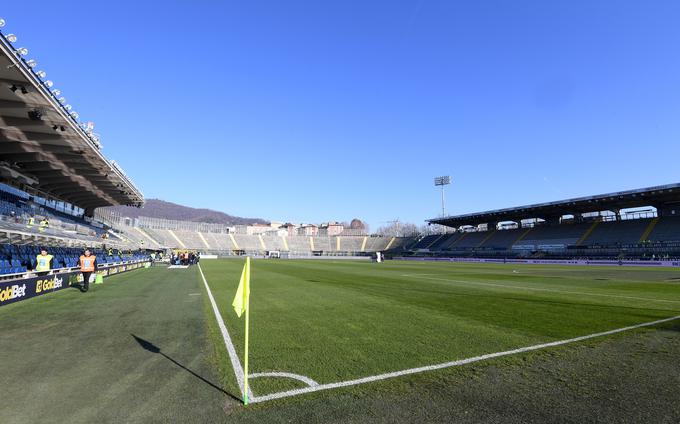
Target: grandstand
point(224, 240)
point(53, 176)
point(638, 223)
point(227, 244)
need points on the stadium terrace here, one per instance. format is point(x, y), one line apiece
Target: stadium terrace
point(633, 224)
point(45, 149)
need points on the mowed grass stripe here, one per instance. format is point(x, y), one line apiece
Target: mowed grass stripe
point(74, 357)
point(335, 321)
point(597, 278)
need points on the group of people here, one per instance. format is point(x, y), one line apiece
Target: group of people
point(87, 264)
point(42, 226)
point(184, 258)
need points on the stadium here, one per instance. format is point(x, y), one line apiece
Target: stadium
point(562, 311)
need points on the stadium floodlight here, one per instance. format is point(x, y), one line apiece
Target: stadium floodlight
point(11, 38)
point(41, 74)
point(56, 92)
point(21, 51)
point(62, 100)
point(75, 115)
point(68, 107)
point(49, 84)
point(442, 182)
point(31, 63)
point(2, 22)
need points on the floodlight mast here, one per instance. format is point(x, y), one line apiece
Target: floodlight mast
point(442, 182)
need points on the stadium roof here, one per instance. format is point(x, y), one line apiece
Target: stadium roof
point(45, 149)
point(659, 197)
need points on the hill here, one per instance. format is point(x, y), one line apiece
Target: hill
point(156, 208)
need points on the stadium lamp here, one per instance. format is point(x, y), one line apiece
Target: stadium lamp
point(41, 74)
point(11, 38)
point(49, 84)
point(21, 51)
point(2, 22)
point(56, 92)
point(62, 100)
point(31, 63)
point(68, 107)
point(75, 115)
point(442, 182)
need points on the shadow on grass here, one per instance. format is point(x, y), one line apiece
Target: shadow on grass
point(147, 345)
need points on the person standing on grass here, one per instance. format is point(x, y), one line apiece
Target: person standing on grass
point(88, 267)
point(43, 262)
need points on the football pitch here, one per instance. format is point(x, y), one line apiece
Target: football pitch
point(345, 341)
point(331, 324)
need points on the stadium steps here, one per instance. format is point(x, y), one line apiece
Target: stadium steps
point(436, 240)
point(459, 239)
point(451, 240)
point(147, 236)
point(491, 234)
point(259, 236)
point(648, 231)
point(204, 240)
point(363, 244)
point(587, 234)
point(113, 233)
point(233, 241)
point(285, 243)
point(524, 234)
point(388, 244)
point(181, 243)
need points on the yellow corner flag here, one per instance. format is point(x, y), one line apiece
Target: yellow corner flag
point(241, 304)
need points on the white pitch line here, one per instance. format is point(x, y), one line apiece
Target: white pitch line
point(479, 283)
point(235, 362)
point(460, 362)
point(308, 381)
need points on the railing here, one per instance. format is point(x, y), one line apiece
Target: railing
point(33, 273)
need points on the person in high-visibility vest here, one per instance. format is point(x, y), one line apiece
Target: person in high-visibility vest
point(44, 224)
point(31, 222)
point(88, 267)
point(43, 262)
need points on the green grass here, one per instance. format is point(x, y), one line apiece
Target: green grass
point(73, 357)
point(336, 321)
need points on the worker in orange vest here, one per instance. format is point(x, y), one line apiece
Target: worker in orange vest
point(88, 266)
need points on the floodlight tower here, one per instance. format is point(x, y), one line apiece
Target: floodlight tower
point(441, 182)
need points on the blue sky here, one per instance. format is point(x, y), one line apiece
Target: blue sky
point(310, 111)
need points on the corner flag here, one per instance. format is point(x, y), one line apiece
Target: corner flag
point(241, 304)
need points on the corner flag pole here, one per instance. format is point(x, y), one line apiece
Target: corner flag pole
point(245, 368)
point(241, 304)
